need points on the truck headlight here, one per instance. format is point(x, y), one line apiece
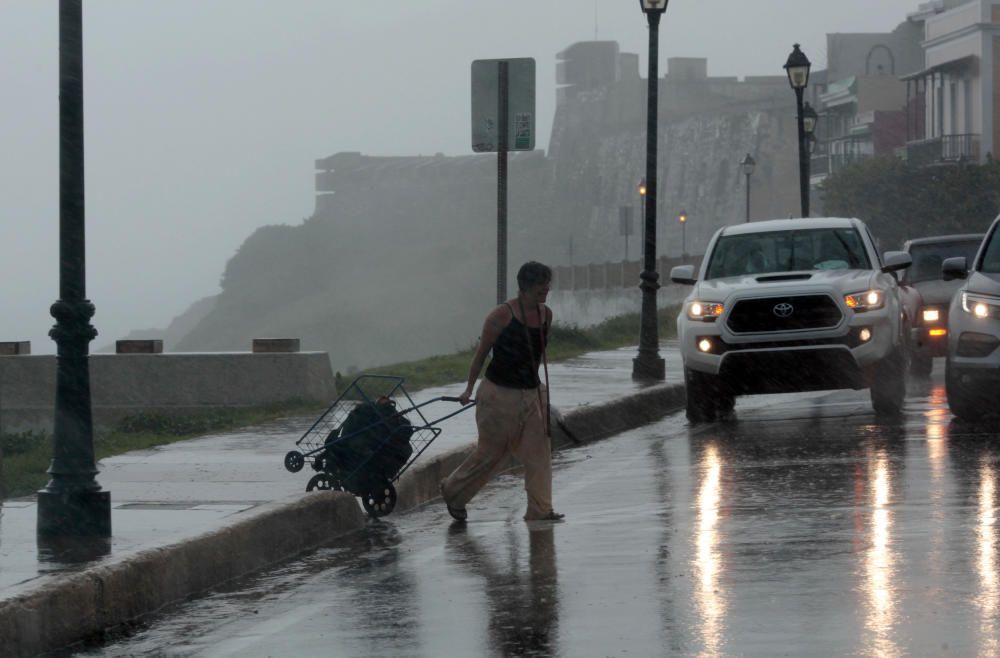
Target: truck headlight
point(980, 306)
point(930, 315)
point(865, 301)
point(706, 311)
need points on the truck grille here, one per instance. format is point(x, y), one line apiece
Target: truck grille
point(789, 313)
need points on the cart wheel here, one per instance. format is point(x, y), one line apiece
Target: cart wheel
point(380, 502)
point(323, 482)
point(294, 461)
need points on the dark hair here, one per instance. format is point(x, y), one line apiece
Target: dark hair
point(533, 273)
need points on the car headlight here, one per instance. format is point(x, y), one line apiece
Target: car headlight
point(865, 301)
point(980, 306)
point(706, 311)
point(930, 315)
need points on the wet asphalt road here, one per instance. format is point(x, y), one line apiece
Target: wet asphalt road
point(803, 527)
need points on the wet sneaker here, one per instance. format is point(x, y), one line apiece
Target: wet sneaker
point(457, 513)
point(551, 516)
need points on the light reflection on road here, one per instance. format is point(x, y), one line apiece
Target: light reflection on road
point(880, 563)
point(708, 564)
point(986, 563)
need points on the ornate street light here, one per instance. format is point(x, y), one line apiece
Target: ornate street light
point(797, 67)
point(746, 166)
point(682, 217)
point(72, 504)
point(648, 364)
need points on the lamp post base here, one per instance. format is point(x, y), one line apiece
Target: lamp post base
point(649, 367)
point(74, 513)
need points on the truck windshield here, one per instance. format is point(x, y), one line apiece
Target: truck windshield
point(927, 258)
point(787, 251)
point(991, 257)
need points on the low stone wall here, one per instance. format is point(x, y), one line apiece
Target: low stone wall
point(174, 383)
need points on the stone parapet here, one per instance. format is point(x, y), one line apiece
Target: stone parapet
point(123, 385)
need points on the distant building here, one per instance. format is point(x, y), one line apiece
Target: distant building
point(861, 99)
point(953, 108)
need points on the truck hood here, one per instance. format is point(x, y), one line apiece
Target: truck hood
point(837, 281)
point(984, 284)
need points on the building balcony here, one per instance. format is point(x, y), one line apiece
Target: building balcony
point(947, 148)
point(827, 164)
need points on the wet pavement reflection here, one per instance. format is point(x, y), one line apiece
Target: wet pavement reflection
point(803, 526)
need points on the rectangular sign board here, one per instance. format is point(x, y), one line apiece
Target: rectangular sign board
point(520, 104)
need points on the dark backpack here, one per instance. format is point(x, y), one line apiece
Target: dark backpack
point(373, 443)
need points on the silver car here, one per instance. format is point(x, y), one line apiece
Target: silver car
point(792, 305)
point(972, 371)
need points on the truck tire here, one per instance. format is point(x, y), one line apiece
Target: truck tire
point(707, 397)
point(963, 401)
point(888, 386)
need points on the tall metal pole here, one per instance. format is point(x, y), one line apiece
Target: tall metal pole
point(648, 364)
point(803, 156)
point(502, 186)
point(748, 197)
point(72, 503)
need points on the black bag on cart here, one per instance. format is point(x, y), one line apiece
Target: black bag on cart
point(374, 438)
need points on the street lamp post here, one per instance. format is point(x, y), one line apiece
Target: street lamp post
point(72, 504)
point(809, 119)
point(648, 364)
point(797, 67)
point(683, 219)
point(642, 195)
point(746, 165)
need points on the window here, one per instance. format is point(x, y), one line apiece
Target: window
point(787, 251)
point(927, 258)
point(991, 256)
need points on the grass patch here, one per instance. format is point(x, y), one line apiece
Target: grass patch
point(27, 456)
point(565, 343)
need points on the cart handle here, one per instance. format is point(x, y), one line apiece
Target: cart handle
point(449, 398)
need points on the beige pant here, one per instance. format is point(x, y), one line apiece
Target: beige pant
point(510, 423)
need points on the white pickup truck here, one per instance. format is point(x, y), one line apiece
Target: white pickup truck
point(793, 305)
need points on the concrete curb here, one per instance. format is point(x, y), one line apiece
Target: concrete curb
point(68, 609)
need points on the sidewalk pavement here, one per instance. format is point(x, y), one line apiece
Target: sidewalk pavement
point(176, 492)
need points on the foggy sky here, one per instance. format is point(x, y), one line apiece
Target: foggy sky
point(204, 117)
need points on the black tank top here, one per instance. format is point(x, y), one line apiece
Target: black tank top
point(514, 365)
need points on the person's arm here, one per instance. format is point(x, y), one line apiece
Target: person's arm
point(494, 324)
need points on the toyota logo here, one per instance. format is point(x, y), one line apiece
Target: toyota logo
point(783, 310)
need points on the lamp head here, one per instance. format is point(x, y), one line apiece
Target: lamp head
point(747, 164)
point(682, 217)
point(653, 6)
point(797, 67)
point(642, 187)
point(809, 118)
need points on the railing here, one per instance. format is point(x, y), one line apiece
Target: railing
point(620, 274)
point(949, 148)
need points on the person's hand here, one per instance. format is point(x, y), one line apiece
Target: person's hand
point(464, 397)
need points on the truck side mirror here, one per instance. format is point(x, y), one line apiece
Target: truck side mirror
point(895, 261)
point(683, 274)
point(953, 268)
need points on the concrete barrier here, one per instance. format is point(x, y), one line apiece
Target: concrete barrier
point(176, 383)
point(67, 609)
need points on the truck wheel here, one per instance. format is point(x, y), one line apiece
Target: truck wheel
point(707, 398)
point(921, 365)
point(888, 387)
point(962, 399)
